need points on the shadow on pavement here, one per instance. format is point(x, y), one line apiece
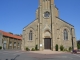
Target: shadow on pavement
point(14, 58)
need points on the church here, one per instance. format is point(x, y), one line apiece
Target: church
point(48, 30)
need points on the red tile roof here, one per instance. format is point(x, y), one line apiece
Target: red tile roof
point(10, 35)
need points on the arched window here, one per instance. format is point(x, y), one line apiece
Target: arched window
point(30, 35)
point(65, 34)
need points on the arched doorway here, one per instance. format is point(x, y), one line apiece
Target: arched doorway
point(47, 40)
point(4, 45)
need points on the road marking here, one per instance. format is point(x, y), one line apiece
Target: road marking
point(76, 55)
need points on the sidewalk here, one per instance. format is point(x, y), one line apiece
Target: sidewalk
point(48, 52)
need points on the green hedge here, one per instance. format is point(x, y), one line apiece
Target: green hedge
point(36, 47)
point(70, 48)
point(56, 47)
point(61, 48)
point(32, 49)
point(0, 47)
point(27, 49)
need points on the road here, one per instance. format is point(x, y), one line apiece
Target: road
point(22, 55)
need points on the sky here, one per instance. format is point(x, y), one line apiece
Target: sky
point(16, 14)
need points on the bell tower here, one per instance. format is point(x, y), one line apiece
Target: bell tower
point(46, 17)
point(46, 1)
point(46, 10)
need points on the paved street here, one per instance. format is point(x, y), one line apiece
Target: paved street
point(22, 55)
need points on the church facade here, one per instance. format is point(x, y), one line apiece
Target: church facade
point(48, 29)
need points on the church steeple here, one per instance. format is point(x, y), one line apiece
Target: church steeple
point(52, 1)
point(41, 1)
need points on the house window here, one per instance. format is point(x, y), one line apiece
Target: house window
point(10, 44)
point(65, 34)
point(18, 44)
point(14, 43)
point(30, 35)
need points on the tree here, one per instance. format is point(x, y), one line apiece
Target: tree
point(78, 46)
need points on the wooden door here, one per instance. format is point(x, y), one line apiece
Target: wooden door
point(47, 43)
